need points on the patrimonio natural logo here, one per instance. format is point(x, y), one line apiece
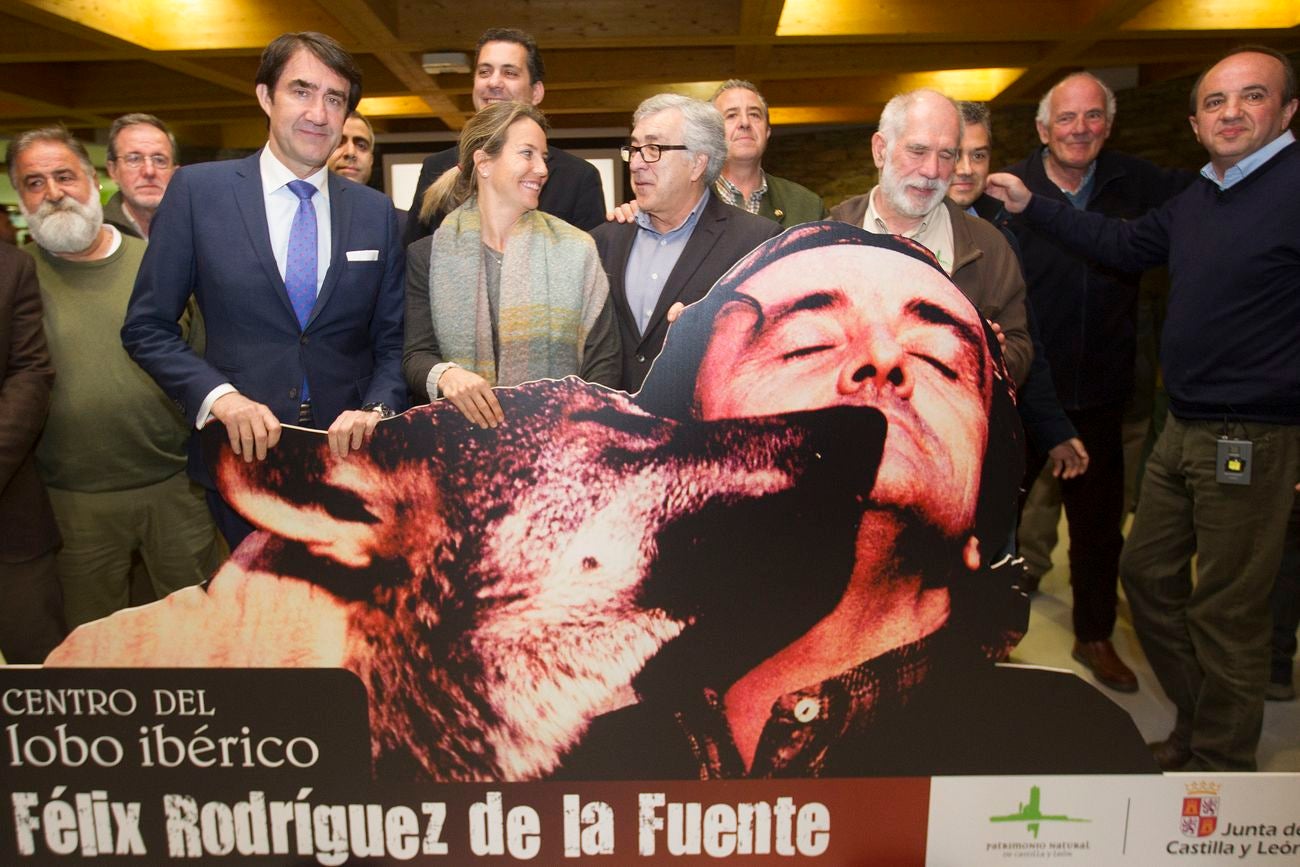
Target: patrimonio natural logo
point(1032, 815)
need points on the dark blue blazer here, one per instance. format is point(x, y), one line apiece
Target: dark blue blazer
point(209, 238)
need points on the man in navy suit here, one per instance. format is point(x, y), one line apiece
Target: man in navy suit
point(301, 287)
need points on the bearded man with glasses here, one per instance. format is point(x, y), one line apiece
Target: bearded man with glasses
point(683, 238)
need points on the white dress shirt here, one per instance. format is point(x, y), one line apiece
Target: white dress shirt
point(281, 205)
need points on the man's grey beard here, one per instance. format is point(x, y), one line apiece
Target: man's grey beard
point(69, 226)
point(896, 191)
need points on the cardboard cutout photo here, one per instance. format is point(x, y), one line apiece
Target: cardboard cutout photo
point(782, 558)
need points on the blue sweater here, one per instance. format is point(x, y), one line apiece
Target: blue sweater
point(1230, 347)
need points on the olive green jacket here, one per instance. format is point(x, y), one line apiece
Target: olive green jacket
point(791, 204)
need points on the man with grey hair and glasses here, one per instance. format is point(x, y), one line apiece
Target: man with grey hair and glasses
point(142, 156)
point(683, 238)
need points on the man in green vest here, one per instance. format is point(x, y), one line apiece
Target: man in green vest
point(743, 182)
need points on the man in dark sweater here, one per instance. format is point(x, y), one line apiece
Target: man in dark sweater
point(1087, 318)
point(1220, 481)
point(508, 66)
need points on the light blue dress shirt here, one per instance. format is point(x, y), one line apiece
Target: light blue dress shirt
point(653, 257)
point(1246, 165)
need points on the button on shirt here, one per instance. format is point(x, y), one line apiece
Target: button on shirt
point(281, 205)
point(653, 257)
point(804, 726)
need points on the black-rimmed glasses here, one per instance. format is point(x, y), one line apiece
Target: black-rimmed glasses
point(649, 152)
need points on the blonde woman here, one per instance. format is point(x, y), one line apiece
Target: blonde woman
point(502, 293)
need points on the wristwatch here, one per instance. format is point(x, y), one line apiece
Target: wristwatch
point(381, 408)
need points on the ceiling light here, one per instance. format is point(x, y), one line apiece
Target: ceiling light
point(438, 62)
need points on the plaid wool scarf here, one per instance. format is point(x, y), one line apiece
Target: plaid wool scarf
point(552, 290)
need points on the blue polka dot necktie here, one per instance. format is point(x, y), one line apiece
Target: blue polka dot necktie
point(300, 263)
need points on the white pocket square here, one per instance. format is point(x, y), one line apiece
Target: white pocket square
point(363, 255)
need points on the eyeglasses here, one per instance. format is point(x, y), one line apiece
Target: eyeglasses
point(161, 162)
point(649, 152)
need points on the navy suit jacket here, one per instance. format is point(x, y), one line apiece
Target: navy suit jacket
point(209, 238)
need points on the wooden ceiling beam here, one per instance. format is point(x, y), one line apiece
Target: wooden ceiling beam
point(809, 93)
point(84, 61)
point(1069, 50)
point(39, 12)
point(853, 18)
point(376, 21)
point(1119, 52)
point(633, 68)
point(159, 25)
point(455, 25)
point(758, 20)
point(19, 111)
